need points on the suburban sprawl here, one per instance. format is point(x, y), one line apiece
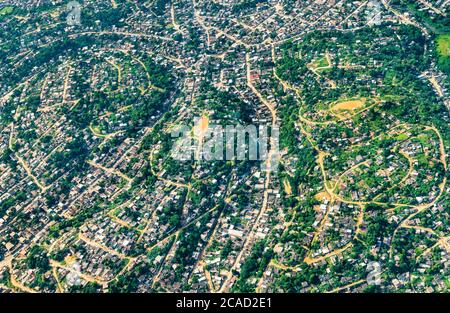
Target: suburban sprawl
point(92, 199)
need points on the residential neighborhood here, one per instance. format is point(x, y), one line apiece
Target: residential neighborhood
point(93, 97)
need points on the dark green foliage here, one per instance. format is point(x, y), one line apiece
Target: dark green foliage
point(37, 259)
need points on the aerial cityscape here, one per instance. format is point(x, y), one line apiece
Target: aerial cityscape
point(224, 146)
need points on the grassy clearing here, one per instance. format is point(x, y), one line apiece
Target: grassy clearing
point(323, 62)
point(6, 10)
point(443, 45)
point(323, 195)
point(348, 105)
point(287, 187)
point(96, 130)
point(401, 137)
point(447, 282)
point(443, 51)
